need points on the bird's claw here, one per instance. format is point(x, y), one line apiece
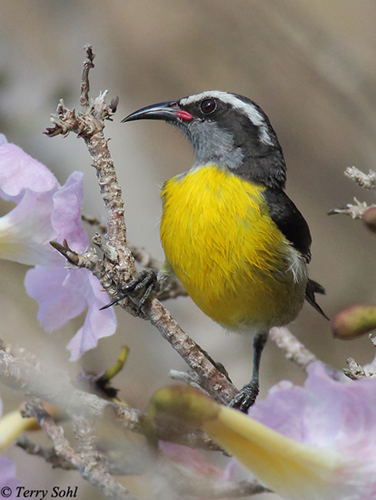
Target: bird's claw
point(246, 397)
point(138, 289)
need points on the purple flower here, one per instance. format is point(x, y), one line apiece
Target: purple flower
point(325, 412)
point(316, 442)
point(46, 211)
point(8, 480)
point(332, 416)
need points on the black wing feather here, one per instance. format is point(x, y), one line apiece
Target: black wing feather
point(312, 288)
point(289, 220)
point(294, 227)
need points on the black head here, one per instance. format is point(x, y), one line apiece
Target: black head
point(228, 130)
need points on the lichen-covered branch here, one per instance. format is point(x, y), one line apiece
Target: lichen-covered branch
point(367, 181)
point(48, 454)
point(45, 382)
point(89, 469)
point(118, 264)
point(145, 259)
point(360, 210)
point(293, 349)
point(42, 382)
point(355, 211)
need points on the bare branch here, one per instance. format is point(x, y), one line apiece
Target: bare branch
point(118, 265)
point(189, 378)
point(186, 483)
point(355, 371)
point(95, 475)
point(292, 348)
point(212, 380)
point(48, 454)
point(94, 221)
point(142, 256)
point(85, 85)
point(43, 381)
point(189, 483)
point(355, 211)
point(367, 181)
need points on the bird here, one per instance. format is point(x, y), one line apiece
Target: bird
point(230, 234)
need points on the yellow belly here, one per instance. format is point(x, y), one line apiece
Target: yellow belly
point(229, 255)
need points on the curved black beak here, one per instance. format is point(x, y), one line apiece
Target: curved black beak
point(168, 111)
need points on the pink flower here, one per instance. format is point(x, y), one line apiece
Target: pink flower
point(195, 461)
point(46, 211)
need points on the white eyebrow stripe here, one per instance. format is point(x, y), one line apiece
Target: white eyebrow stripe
point(248, 109)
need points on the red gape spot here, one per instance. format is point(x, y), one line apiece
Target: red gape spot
point(184, 115)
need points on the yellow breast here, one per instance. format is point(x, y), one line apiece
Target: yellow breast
point(227, 252)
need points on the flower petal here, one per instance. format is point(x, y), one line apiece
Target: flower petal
point(8, 478)
point(98, 324)
point(294, 470)
point(19, 171)
point(59, 292)
point(66, 215)
point(25, 232)
point(46, 211)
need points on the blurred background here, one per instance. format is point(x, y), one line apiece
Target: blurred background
point(310, 65)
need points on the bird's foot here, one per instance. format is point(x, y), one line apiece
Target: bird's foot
point(246, 397)
point(138, 289)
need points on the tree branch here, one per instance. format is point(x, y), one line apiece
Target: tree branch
point(39, 380)
point(118, 266)
point(48, 454)
point(291, 346)
point(95, 475)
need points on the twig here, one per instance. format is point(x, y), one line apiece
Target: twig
point(292, 348)
point(182, 481)
point(142, 256)
point(355, 211)
point(212, 380)
point(96, 476)
point(47, 383)
point(367, 181)
point(189, 378)
point(42, 381)
point(48, 454)
point(355, 371)
point(297, 352)
point(85, 85)
point(237, 490)
point(84, 433)
point(193, 484)
point(94, 221)
point(174, 289)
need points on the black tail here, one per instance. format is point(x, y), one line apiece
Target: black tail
point(312, 288)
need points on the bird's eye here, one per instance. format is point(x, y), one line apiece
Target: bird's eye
point(207, 106)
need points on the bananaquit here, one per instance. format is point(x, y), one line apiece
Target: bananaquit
point(230, 234)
